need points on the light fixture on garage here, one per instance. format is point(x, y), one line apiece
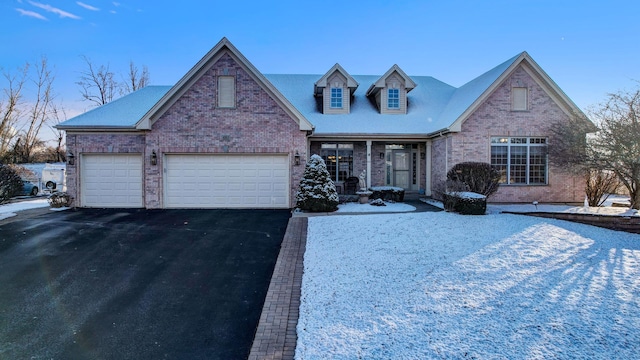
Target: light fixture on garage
point(296, 158)
point(70, 158)
point(154, 158)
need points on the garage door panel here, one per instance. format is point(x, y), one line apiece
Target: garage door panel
point(227, 181)
point(110, 180)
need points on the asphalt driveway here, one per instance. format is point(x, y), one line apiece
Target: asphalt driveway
point(136, 284)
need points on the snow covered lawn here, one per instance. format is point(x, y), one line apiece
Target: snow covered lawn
point(443, 286)
point(9, 210)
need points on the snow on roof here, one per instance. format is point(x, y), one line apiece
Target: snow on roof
point(122, 112)
point(432, 105)
point(426, 102)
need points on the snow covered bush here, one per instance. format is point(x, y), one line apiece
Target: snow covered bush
point(479, 177)
point(59, 200)
point(317, 192)
point(10, 183)
point(465, 203)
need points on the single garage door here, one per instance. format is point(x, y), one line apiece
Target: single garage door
point(112, 180)
point(226, 181)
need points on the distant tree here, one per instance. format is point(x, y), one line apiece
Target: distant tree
point(98, 83)
point(57, 153)
point(136, 79)
point(10, 101)
point(27, 106)
point(38, 114)
point(614, 147)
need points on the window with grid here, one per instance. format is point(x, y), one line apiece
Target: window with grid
point(339, 160)
point(393, 99)
point(336, 98)
point(520, 160)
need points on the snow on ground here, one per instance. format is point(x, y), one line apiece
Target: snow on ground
point(9, 210)
point(443, 285)
point(389, 207)
point(605, 209)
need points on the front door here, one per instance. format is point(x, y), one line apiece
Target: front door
point(401, 166)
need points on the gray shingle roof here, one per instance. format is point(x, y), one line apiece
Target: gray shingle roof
point(432, 105)
point(120, 113)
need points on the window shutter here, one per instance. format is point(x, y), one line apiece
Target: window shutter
point(226, 91)
point(519, 95)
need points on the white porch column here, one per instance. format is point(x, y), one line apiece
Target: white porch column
point(368, 164)
point(427, 167)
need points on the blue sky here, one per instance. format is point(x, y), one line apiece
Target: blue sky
point(589, 48)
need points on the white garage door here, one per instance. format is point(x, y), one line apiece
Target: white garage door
point(226, 181)
point(111, 180)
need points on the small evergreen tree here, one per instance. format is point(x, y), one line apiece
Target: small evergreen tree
point(317, 192)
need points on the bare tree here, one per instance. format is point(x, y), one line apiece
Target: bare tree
point(136, 79)
point(97, 85)
point(37, 114)
point(614, 147)
point(58, 115)
point(10, 109)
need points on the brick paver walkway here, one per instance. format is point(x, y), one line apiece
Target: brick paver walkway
point(276, 334)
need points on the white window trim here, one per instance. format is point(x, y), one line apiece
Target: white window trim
point(506, 141)
point(339, 91)
point(397, 98)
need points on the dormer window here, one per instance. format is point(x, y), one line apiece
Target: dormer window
point(334, 91)
point(336, 98)
point(393, 99)
point(390, 91)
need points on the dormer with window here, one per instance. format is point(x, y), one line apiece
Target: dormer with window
point(390, 91)
point(335, 90)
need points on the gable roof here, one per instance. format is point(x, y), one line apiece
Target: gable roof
point(224, 46)
point(409, 84)
point(433, 107)
point(352, 84)
point(471, 95)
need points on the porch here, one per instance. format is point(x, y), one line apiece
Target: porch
point(388, 162)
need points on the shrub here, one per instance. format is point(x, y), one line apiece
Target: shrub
point(598, 185)
point(478, 177)
point(465, 203)
point(317, 192)
point(59, 200)
point(10, 183)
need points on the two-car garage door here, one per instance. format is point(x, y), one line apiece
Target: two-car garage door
point(190, 181)
point(226, 181)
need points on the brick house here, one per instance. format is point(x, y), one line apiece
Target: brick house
point(228, 136)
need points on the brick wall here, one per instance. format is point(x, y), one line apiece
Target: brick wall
point(193, 124)
point(97, 144)
point(495, 118)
